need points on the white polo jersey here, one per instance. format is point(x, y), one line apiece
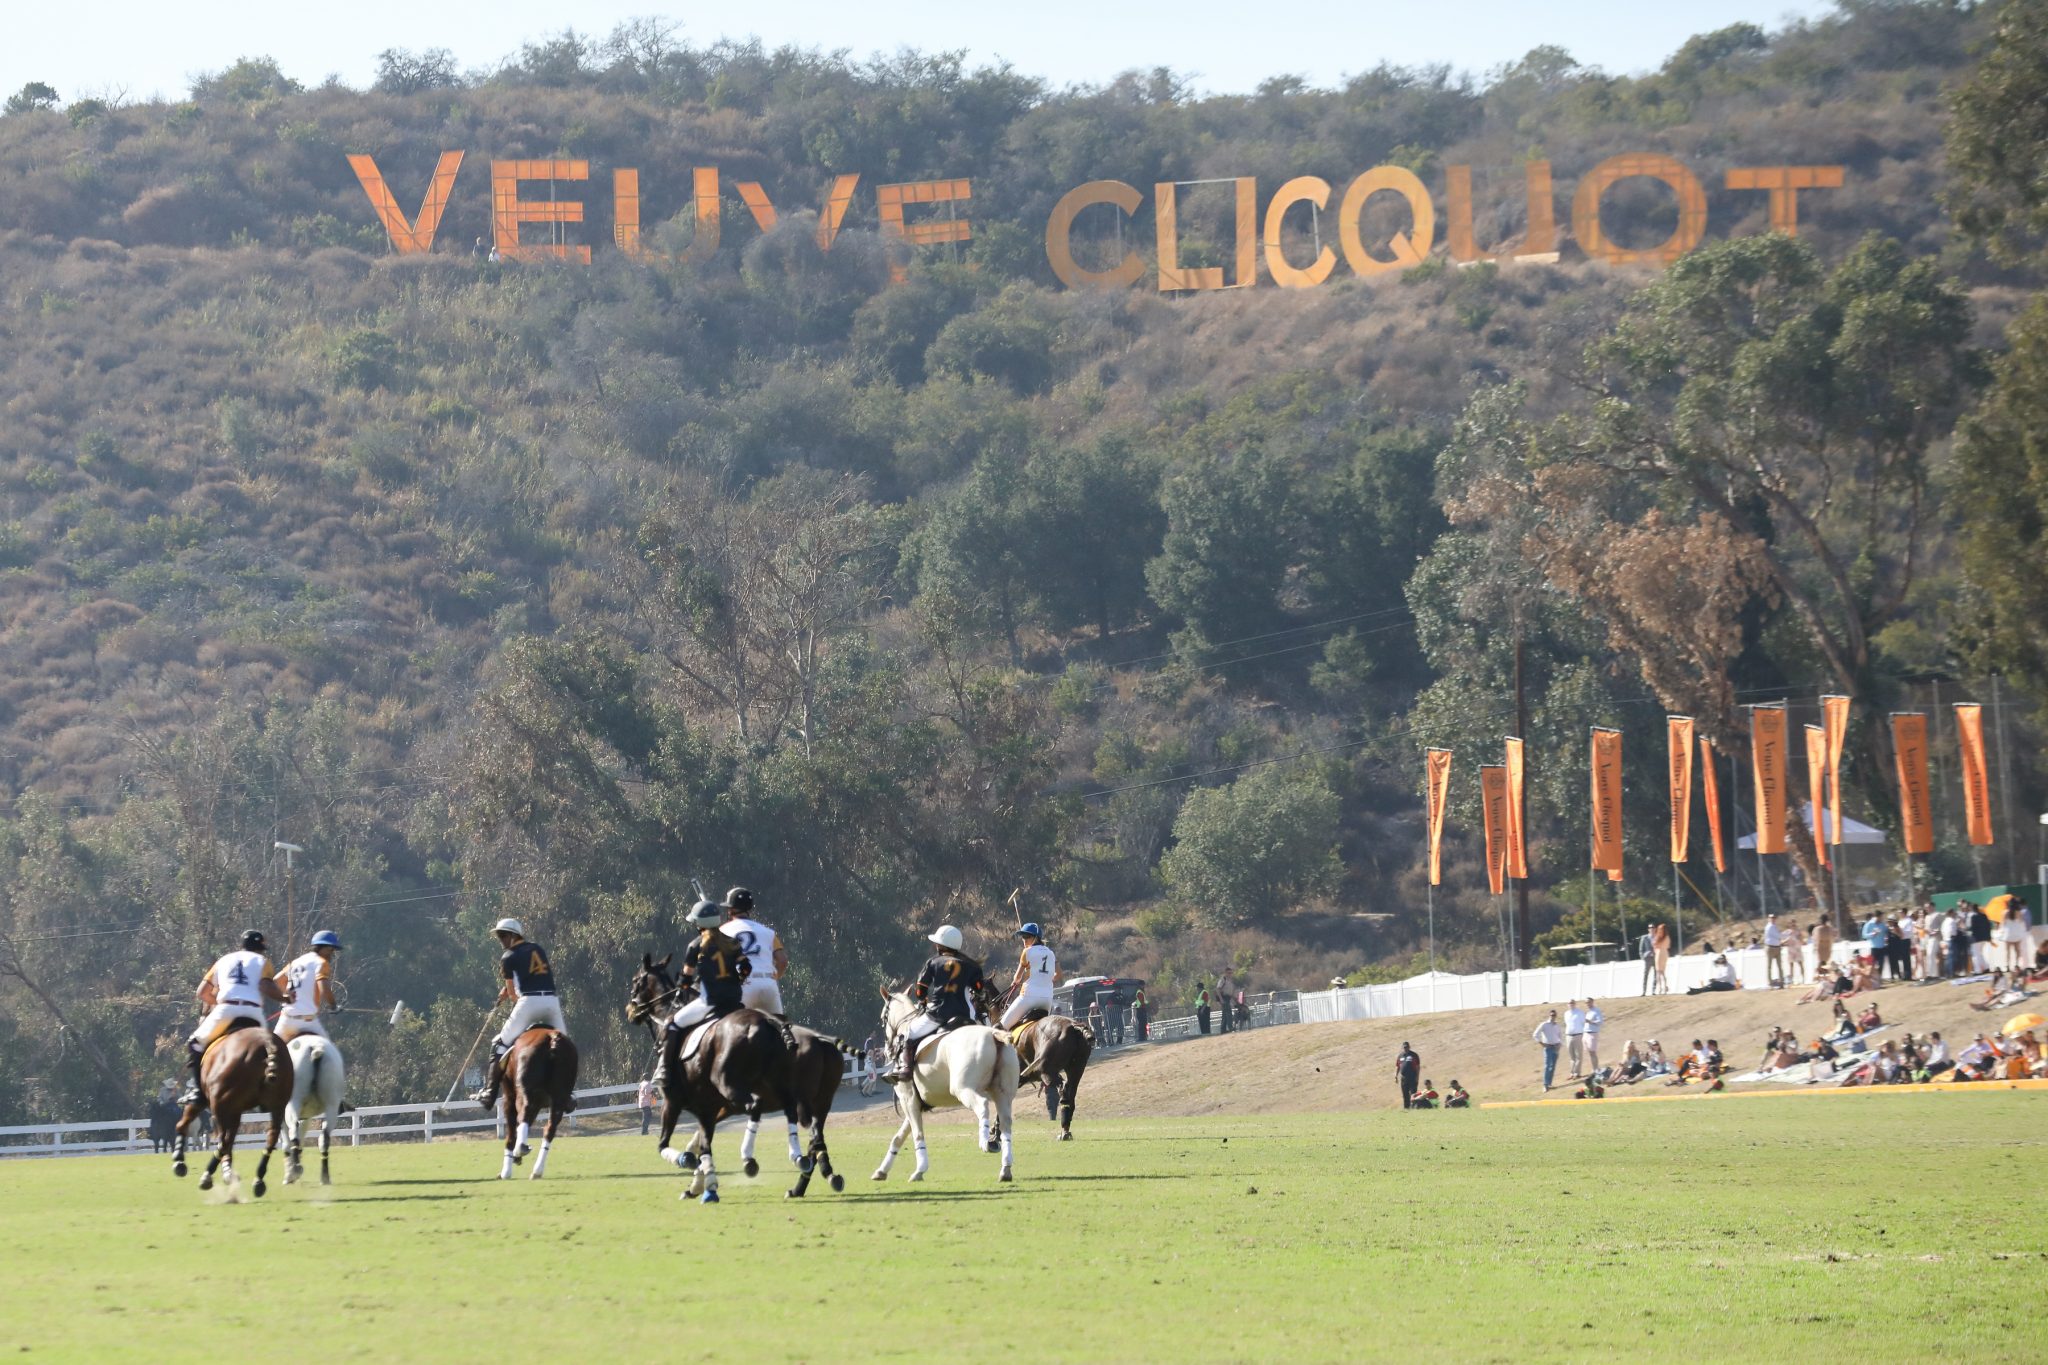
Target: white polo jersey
point(1040, 965)
point(238, 977)
point(303, 976)
point(758, 942)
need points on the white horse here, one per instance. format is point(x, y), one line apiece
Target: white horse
point(318, 1080)
point(973, 1067)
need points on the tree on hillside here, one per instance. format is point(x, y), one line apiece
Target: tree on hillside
point(401, 71)
point(1997, 143)
point(1256, 847)
point(31, 97)
point(1230, 523)
point(1093, 519)
point(1763, 424)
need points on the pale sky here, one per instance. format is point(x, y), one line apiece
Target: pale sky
point(149, 47)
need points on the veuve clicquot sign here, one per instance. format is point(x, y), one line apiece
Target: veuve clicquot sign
point(909, 212)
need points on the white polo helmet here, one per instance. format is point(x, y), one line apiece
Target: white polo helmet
point(947, 937)
point(509, 926)
point(706, 914)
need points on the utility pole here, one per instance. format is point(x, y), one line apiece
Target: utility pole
point(1519, 928)
point(2012, 843)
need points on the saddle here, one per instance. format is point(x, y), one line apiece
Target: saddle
point(1030, 1022)
point(694, 1037)
point(234, 1026)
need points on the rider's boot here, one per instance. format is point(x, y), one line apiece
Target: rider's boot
point(193, 1052)
point(668, 1044)
point(899, 1063)
point(487, 1096)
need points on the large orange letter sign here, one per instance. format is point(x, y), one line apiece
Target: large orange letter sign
point(1409, 249)
point(626, 213)
point(1541, 239)
point(416, 237)
point(1059, 229)
point(1692, 211)
point(1302, 189)
point(837, 200)
point(1166, 214)
point(889, 202)
point(508, 210)
point(1784, 183)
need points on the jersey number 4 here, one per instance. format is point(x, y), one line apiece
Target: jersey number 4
point(537, 965)
point(239, 974)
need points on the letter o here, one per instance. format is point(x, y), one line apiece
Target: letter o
point(1408, 250)
point(1314, 190)
point(1692, 208)
point(1058, 227)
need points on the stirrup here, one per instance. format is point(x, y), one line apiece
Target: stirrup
point(487, 1097)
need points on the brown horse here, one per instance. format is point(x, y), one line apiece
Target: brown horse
point(244, 1069)
point(540, 1070)
point(1054, 1052)
point(745, 1063)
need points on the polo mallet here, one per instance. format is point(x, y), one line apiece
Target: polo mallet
point(1013, 906)
point(457, 1082)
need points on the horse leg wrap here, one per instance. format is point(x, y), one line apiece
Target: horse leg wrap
point(924, 1161)
point(505, 1170)
point(1006, 1157)
point(796, 1152)
point(540, 1160)
point(747, 1140)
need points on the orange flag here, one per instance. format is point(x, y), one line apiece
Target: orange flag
point(1767, 759)
point(1816, 788)
point(1710, 788)
point(1607, 802)
point(1437, 792)
point(1916, 811)
point(1834, 714)
point(1679, 730)
point(1976, 777)
point(1493, 798)
point(1518, 849)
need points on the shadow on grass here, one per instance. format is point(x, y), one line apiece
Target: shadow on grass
point(925, 1196)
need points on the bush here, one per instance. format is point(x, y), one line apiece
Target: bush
point(1264, 842)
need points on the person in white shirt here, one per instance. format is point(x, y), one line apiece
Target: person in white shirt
point(1550, 1037)
point(234, 987)
point(1594, 1019)
point(308, 985)
point(1774, 953)
point(1575, 1037)
point(762, 989)
point(1037, 972)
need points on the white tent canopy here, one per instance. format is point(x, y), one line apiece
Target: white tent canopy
point(1853, 831)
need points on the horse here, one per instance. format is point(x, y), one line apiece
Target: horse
point(318, 1080)
point(818, 1071)
point(540, 1068)
point(744, 1063)
point(972, 1066)
point(245, 1068)
point(1054, 1051)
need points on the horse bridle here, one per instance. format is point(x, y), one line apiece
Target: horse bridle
point(670, 989)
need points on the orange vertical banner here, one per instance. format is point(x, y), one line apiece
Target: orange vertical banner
point(1834, 712)
point(1436, 794)
point(1976, 776)
point(1816, 788)
point(1916, 809)
point(1767, 764)
point(1493, 798)
point(1607, 802)
point(1710, 788)
point(1518, 847)
point(1679, 730)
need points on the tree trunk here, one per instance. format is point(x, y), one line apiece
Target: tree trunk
point(10, 965)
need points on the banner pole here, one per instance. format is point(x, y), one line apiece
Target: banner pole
point(1677, 904)
point(1432, 925)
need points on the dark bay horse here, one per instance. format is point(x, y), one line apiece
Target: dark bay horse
point(1054, 1052)
point(745, 1063)
point(244, 1069)
point(540, 1071)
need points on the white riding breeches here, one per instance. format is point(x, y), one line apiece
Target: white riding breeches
point(1026, 1002)
point(692, 1014)
point(290, 1026)
point(763, 993)
point(219, 1017)
point(531, 1011)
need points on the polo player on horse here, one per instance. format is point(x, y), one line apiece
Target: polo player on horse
point(945, 990)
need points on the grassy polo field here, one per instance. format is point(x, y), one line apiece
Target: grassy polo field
point(1870, 1228)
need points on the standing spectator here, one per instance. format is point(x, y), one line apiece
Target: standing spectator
point(1795, 951)
point(2016, 932)
point(1244, 1012)
point(1201, 1009)
point(1594, 1019)
point(1223, 998)
point(1646, 949)
point(1660, 946)
point(1954, 943)
point(1823, 945)
point(1774, 954)
point(646, 1104)
point(1900, 945)
point(1980, 938)
point(1875, 940)
point(1141, 1015)
point(1097, 1025)
point(1407, 1067)
point(1549, 1037)
point(1575, 1037)
point(1113, 1016)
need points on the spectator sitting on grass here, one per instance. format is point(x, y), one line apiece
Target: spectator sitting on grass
point(1868, 1021)
point(1692, 1066)
point(1936, 1056)
point(1863, 975)
point(1631, 1067)
point(1715, 1063)
point(1426, 1097)
point(1457, 1099)
point(1655, 1063)
point(1829, 982)
point(1976, 1060)
point(1845, 1022)
point(1721, 979)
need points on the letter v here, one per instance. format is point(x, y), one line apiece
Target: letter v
point(408, 238)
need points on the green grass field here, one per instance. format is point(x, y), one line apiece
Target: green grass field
point(1860, 1229)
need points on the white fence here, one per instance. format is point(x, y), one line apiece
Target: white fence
point(1537, 986)
point(375, 1123)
